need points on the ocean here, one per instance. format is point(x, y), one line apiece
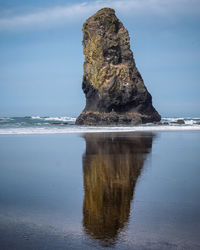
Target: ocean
point(62, 125)
point(64, 186)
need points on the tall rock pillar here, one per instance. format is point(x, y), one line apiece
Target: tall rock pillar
point(114, 89)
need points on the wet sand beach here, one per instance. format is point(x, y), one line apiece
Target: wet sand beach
point(130, 190)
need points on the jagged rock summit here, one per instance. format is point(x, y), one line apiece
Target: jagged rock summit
point(114, 89)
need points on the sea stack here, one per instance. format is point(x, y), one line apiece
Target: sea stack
point(114, 89)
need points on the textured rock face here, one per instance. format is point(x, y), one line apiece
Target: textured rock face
point(114, 89)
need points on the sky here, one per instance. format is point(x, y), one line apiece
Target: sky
point(41, 62)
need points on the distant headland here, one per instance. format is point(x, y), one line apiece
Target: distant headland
point(114, 89)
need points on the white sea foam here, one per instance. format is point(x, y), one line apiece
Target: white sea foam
point(187, 120)
point(35, 117)
point(5, 119)
point(60, 119)
point(84, 129)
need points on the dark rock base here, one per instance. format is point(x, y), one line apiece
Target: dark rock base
point(113, 118)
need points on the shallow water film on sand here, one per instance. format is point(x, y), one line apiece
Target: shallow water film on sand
point(130, 190)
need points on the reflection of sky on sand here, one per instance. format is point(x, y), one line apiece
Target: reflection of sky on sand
point(37, 182)
point(111, 166)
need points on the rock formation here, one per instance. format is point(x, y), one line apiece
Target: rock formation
point(114, 89)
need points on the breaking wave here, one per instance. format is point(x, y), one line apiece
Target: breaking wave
point(61, 119)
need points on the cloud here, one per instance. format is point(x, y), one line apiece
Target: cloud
point(60, 15)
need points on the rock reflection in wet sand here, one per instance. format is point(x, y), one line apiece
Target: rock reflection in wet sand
point(112, 164)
